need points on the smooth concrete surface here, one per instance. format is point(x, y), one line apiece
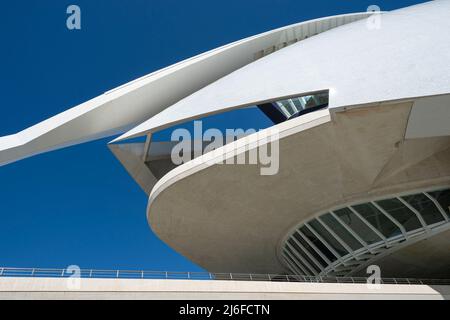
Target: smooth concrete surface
point(230, 218)
point(106, 289)
point(430, 117)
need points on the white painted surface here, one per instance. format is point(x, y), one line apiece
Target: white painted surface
point(122, 108)
point(430, 117)
point(52, 288)
point(407, 57)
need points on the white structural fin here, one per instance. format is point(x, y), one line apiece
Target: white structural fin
point(408, 58)
point(121, 109)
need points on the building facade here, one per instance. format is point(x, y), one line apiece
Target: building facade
point(360, 112)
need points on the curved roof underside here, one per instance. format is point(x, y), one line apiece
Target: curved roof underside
point(406, 57)
point(230, 218)
point(120, 109)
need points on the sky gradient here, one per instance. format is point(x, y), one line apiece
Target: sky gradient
point(78, 206)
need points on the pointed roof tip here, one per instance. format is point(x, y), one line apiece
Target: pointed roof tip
point(121, 138)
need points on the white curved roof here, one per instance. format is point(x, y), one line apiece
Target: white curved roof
point(122, 108)
point(408, 56)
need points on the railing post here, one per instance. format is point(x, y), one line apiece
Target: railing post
point(231, 276)
point(90, 274)
point(167, 275)
point(251, 278)
point(32, 272)
point(142, 274)
point(117, 275)
point(270, 278)
point(1, 272)
point(287, 278)
point(210, 276)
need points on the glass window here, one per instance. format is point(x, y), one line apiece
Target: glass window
point(310, 102)
point(377, 219)
point(346, 236)
point(286, 108)
point(290, 263)
point(322, 98)
point(313, 252)
point(311, 237)
point(426, 208)
point(282, 110)
point(320, 229)
point(304, 257)
point(401, 213)
point(294, 260)
point(298, 103)
point(443, 197)
point(360, 228)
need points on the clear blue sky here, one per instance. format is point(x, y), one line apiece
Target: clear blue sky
point(78, 205)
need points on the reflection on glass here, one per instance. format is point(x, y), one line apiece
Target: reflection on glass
point(401, 213)
point(311, 237)
point(350, 219)
point(328, 238)
point(311, 250)
point(443, 197)
point(377, 219)
point(341, 232)
point(426, 208)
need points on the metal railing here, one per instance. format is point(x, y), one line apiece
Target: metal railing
point(160, 275)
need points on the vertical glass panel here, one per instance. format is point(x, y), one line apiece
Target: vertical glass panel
point(401, 213)
point(298, 103)
point(286, 107)
point(328, 237)
point(426, 208)
point(310, 250)
point(443, 197)
point(346, 236)
point(377, 219)
point(304, 256)
point(319, 245)
point(360, 228)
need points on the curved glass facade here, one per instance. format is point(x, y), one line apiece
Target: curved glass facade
point(338, 242)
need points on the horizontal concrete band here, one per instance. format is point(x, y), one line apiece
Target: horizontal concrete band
point(52, 288)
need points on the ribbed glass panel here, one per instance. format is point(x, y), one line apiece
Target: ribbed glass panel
point(310, 250)
point(443, 197)
point(328, 238)
point(309, 263)
point(318, 244)
point(377, 219)
point(346, 236)
point(363, 231)
point(401, 213)
point(426, 207)
point(298, 263)
point(294, 107)
point(351, 235)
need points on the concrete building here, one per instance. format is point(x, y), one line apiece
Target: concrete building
point(361, 108)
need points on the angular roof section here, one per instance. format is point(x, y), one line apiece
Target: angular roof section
point(120, 109)
point(405, 57)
